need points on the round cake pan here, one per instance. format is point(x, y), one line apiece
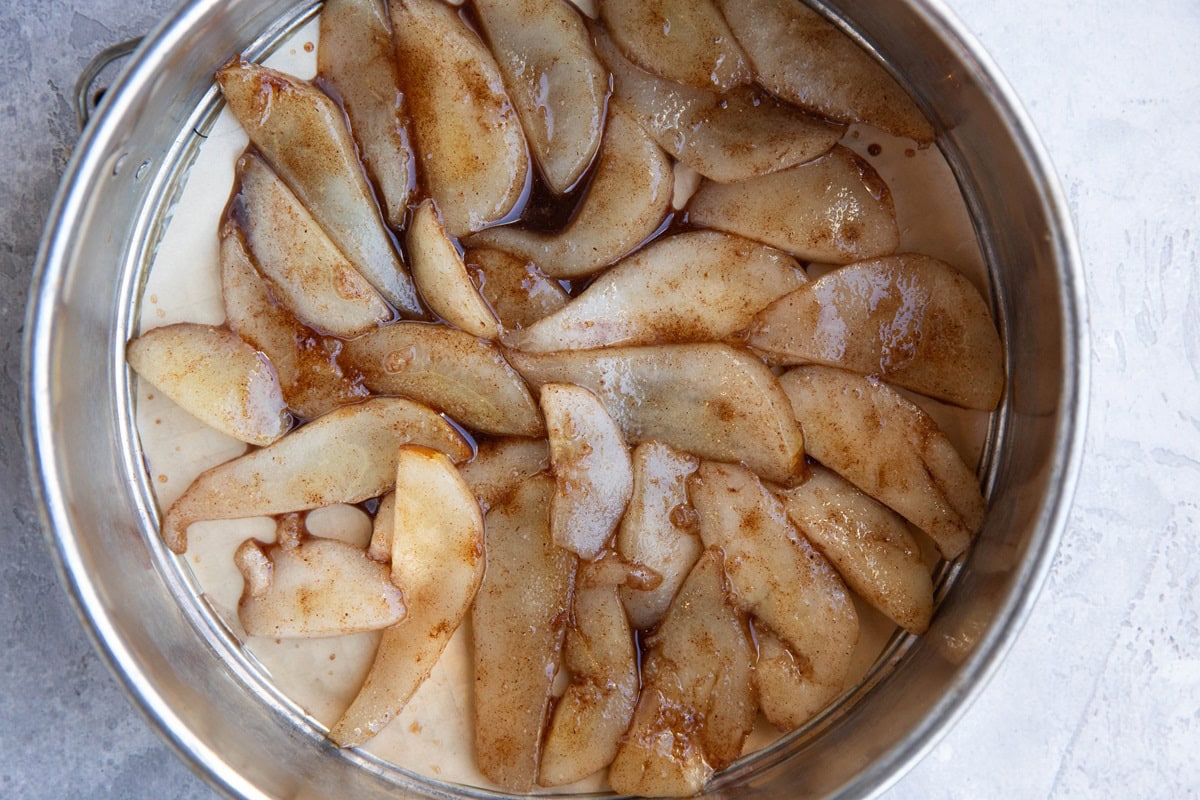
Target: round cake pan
point(191, 678)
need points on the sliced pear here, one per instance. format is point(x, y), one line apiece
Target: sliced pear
point(658, 529)
point(442, 277)
point(868, 544)
point(785, 693)
point(698, 286)
point(696, 706)
point(778, 576)
point(597, 706)
point(470, 146)
point(437, 559)
point(889, 448)
point(799, 56)
point(835, 209)
point(712, 400)
point(519, 621)
point(910, 319)
point(501, 465)
point(346, 456)
point(592, 472)
point(610, 568)
point(627, 199)
point(557, 83)
point(518, 292)
point(311, 277)
point(303, 134)
point(216, 377)
point(452, 371)
point(306, 362)
point(357, 60)
point(320, 587)
point(685, 41)
point(382, 527)
point(726, 137)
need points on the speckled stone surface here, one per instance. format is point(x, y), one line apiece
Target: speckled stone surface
point(1100, 697)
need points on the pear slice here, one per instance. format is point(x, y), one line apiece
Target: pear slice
point(311, 277)
point(557, 83)
point(696, 706)
point(214, 376)
point(835, 209)
point(437, 559)
point(357, 60)
point(799, 56)
point(470, 146)
point(778, 576)
point(698, 286)
point(306, 362)
point(889, 448)
point(303, 135)
point(452, 371)
point(785, 693)
point(519, 621)
point(592, 472)
point(627, 200)
point(597, 706)
point(726, 137)
point(685, 41)
point(320, 587)
point(518, 292)
point(501, 465)
point(658, 529)
point(712, 400)
point(442, 277)
point(382, 527)
point(346, 456)
point(868, 543)
point(910, 319)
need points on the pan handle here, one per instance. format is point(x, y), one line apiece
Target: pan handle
point(90, 89)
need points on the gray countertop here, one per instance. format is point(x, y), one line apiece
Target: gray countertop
point(1101, 694)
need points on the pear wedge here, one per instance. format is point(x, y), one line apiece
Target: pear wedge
point(910, 319)
point(556, 82)
point(216, 377)
point(442, 278)
point(592, 471)
point(889, 448)
point(804, 59)
point(518, 292)
point(697, 705)
point(303, 135)
point(455, 372)
point(318, 588)
point(346, 456)
point(658, 529)
point(712, 400)
point(835, 209)
point(519, 621)
point(597, 706)
point(627, 199)
point(685, 41)
point(868, 544)
point(785, 693)
point(728, 137)
point(311, 277)
point(501, 465)
point(437, 559)
point(380, 547)
point(306, 362)
point(698, 286)
point(470, 148)
point(357, 60)
point(778, 576)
